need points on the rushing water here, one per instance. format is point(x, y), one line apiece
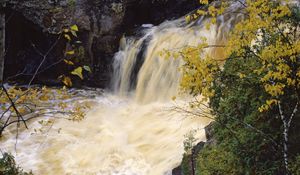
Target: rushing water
point(132, 131)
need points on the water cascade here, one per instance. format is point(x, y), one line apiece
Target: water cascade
point(144, 72)
point(133, 130)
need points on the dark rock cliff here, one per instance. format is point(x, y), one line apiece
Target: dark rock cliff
point(32, 28)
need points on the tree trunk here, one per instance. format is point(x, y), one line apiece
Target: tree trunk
point(193, 157)
point(286, 127)
point(2, 39)
point(285, 147)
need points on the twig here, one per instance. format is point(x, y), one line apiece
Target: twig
point(14, 106)
point(43, 60)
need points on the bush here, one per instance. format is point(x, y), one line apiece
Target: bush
point(8, 166)
point(295, 166)
point(217, 161)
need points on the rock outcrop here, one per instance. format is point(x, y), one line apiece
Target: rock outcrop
point(33, 25)
point(189, 162)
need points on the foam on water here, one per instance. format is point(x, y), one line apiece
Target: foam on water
point(134, 131)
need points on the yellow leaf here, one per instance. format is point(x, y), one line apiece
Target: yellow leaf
point(201, 12)
point(44, 98)
point(203, 1)
point(67, 81)
point(68, 62)
point(78, 72)
point(72, 52)
point(213, 20)
point(67, 37)
point(241, 75)
point(74, 28)
point(66, 30)
point(188, 18)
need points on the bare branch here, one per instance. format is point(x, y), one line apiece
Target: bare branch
point(293, 114)
point(14, 106)
point(43, 60)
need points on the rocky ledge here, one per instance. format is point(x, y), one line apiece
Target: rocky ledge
point(32, 27)
point(189, 162)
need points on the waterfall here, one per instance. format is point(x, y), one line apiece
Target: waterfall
point(132, 131)
point(142, 71)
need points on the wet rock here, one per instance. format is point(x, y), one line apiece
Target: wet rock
point(209, 133)
point(34, 24)
point(189, 162)
point(177, 171)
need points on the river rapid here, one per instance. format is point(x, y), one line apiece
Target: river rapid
point(132, 129)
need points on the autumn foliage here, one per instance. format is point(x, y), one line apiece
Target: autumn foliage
point(267, 40)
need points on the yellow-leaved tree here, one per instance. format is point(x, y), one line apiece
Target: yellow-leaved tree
point(20, 104)
point(268, 31)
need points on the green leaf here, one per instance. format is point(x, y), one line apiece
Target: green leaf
point(87, 68)
point(74, 28)
point(78, 72)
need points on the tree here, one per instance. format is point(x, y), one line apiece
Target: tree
point(2, 39)
point(24, 103)
point(255, 139)
point(8, 166)
point(269, 34)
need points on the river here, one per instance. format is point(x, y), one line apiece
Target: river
point(133, 128)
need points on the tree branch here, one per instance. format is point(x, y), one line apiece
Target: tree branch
point(14, 106)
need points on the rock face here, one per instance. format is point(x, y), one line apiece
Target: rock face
point(33, 25)
point(189, 162)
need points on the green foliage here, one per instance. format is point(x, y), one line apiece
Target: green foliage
point(235, 104)
point(186, 165)
point(295, 166)
point(71, 3)
point(189, 142)
point(218, 161)
point(8, 166)
point(249, 142)
point(253, 92)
